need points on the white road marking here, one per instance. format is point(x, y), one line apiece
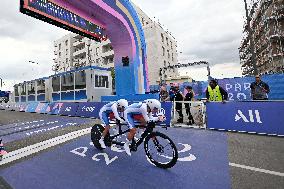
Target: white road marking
point(29, 150)
point(257, 169)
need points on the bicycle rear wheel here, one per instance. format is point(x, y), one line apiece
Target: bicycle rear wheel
point(96, 134)
point(160, 150)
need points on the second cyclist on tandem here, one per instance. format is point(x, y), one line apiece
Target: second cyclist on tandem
point(141, 112)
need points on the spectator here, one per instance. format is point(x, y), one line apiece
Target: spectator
point(215, 93)
point(172, 92)
point(163, 93)
point(259, 89)
point(178, 96)
point(189, 97)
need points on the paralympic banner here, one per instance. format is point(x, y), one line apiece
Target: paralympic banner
point(251, 117)
point(23, 107)
point(167, 111)
point(238, 88)
point(69, 109)
point(32, 107)
point(39, 107)
point(54, 108)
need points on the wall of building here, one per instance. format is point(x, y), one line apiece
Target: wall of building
point(268, 35)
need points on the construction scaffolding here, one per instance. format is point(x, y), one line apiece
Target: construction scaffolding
point(267, 25)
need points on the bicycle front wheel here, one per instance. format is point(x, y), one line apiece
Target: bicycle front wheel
point(160, 150)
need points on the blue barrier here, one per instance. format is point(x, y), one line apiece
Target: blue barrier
point(40, 107)
point(89, 109)
point(69, 109)
point(31, 108)
point(23, 107)
point(54, 108)
point(44, 108)
point(252, 117)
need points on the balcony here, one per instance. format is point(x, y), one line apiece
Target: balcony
point(108, 53)
point(79, 44)
point(80, 53)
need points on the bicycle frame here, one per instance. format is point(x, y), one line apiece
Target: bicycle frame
point(149, 129)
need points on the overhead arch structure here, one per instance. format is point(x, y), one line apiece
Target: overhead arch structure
point(116, 20)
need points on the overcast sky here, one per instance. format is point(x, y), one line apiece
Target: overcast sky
point(205, 30)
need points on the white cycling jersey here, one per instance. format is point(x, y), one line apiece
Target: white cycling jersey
point(139, 109)
point(110, 107)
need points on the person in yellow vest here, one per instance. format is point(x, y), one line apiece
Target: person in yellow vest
point(215, 93)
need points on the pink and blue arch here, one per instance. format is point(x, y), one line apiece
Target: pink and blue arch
point(123, 28)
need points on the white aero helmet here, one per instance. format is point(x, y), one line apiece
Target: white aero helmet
point(122, 103)
point(153, 103)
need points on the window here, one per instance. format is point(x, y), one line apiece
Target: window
point(40, 86)
point(59, 47)
point(66, 42)
point(163, 51)
point(167, 40)
point(165, 64)
point(162, 36)
point(59, 54)
point(16, 89)
point(66, 51)
point(98, 62)
point(172, 56)
point(80, 80)
point(23, 89)
point(171, 45)
point(101, 81)
point(56, 84)
point(169, 56)
point(67, 82)
point(31, 88)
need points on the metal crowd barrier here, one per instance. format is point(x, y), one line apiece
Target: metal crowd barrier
point(197, 110)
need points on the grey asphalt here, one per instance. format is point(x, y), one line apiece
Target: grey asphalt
point(264, 152)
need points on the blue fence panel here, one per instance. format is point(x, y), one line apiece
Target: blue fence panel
point(89, 109)
point(257, 117)
point(69, 109)
point(54, 108)
point(32, 107)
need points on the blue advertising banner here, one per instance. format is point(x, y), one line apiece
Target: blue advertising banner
point(255, 117)
point(23, 107)
point(54, 108)
point(40, 107)
point(69, 109)
point(167, 111)
point(43, 109)
point(32, 107)
point(89, 109)
point(238, 88)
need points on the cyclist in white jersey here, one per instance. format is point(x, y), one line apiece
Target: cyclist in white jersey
point(110, 111)
point(142, 112)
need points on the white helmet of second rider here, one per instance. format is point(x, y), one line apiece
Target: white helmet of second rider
point(153, 104)
point(122, 103)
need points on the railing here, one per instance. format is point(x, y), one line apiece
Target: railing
point(193, 114)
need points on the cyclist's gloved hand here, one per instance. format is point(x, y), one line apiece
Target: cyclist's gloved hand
point(162, 118)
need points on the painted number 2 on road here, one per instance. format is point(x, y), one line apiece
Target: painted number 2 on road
point(81, 151)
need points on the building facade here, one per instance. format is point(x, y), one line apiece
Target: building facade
point(73, 51)
point(267, 26)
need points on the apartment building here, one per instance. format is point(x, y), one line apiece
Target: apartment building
point(268, 36)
